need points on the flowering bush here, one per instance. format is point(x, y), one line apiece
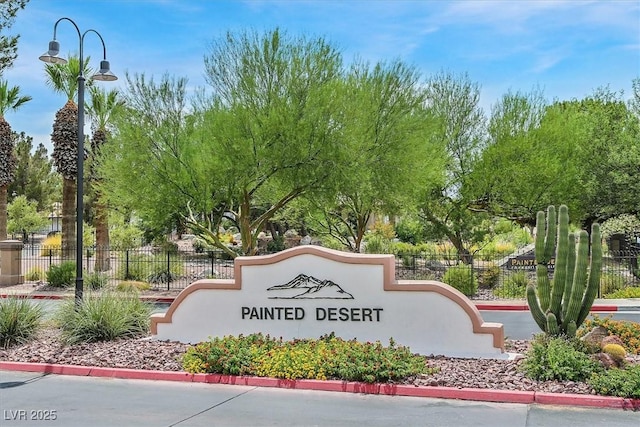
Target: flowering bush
point(627, 331)
point(329, 357)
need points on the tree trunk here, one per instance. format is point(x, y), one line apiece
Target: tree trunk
point(69, 219)
point(102, 237)
point(463, 253)
point(3, 212)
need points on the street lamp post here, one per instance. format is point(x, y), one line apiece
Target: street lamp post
point(104, 74)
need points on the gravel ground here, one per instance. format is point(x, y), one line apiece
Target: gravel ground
point(165, 356)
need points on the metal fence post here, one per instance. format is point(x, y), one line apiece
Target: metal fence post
point(126, 264)
point(168, 270)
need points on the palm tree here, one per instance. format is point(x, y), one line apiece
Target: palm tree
point(10, 100)
point(63, 78)
point(103, 105)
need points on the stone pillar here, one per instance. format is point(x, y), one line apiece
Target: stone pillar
point(11, 263)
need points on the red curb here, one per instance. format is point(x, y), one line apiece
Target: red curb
point(487, 395)
point(134, 374)
point(525, 307)
point(605, 308)
point(38, 296)
point(162, 300)
point(586, 400)
point(47, 368)
point(502, 307)
point(320, 385)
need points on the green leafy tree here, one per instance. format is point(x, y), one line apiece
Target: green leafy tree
point(10, 100)
point(382, 150)
point(454, 102)
point(608, 155)
point(34, 177)
point(528, 162)
point(103, 105)
point(24, 217)
point(152, 146)
point(265, 137)
point(9, 44)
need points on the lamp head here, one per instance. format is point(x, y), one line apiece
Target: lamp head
point(104, 73)
point(51, 55)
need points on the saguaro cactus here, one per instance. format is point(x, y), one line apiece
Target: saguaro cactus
point(561, 305)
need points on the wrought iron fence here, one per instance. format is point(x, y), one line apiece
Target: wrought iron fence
point(173, 270)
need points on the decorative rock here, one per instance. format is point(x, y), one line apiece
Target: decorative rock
point(291, 239)
point(611, 339)
point(593, 339)
point(606, 360)
point(306, 240)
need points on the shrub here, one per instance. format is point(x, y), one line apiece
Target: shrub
point(630, 292)
point(19, 320)
point(125, 236)
point(628, 331)
point(95, 281)
point(402, 248)
point(136, 267)
point(332, 243)
point(514, 287)
point(462, 278)
point(103, 318)
point(328, 357)
point(51, 245)
point(132, 286)
point(610, 283)
point(617, 382)
point(495, 249)
point(410, 230)
point(163, 245)
point(158, 271)
point(200, 245)
point(228, 355)
point(371, 362)
point(383, 229)
point(35, 274)
point(377, 244)
point(489, 276)
point(276, 244)
point(62, 275)
point(557, 359)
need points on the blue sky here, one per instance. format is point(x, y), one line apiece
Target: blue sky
point(566, 48)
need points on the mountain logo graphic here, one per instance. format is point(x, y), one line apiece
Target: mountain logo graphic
point(308, 287)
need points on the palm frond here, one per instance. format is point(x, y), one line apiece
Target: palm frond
point(10, 99)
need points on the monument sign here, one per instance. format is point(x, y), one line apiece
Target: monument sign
point(309, 291)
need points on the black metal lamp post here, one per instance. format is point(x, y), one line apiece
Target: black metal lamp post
point(104, 74)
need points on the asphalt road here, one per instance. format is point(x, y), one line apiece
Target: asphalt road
point(89, 401)
point(519, 325)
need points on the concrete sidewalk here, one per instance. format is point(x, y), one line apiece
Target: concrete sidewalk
point(28, 398)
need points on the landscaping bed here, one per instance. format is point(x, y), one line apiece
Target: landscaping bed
point(146, 354)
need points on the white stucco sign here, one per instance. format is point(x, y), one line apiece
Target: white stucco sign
point(310, 291)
